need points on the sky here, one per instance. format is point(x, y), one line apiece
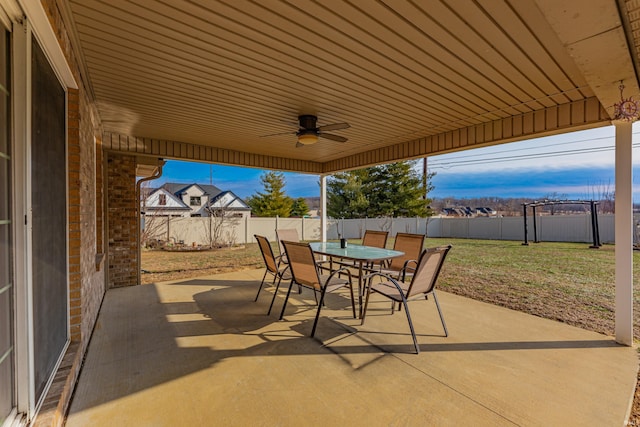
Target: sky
point(577, 165)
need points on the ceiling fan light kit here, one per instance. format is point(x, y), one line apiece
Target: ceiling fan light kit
point(307, 138)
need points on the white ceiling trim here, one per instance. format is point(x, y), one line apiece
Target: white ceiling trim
point(39, 23)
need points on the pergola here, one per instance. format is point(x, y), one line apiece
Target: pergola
point(593, 208)
point(206, 80)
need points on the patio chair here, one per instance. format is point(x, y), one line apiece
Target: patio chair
point(423, 283)
point(291, 235)
point(305, 272)
point(272, 264)
point(377, 239)
point(401, 267)
point(288, 234)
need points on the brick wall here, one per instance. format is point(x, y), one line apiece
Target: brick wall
point(121, 220)
point(92, 278)
point(75, 224)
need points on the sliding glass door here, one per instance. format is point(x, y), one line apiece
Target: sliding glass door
point(49, 218)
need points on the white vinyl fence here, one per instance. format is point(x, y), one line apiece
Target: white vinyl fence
point(557, 228)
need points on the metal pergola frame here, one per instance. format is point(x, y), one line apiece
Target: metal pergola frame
point(595, 230)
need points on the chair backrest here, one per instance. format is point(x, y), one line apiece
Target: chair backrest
point(267, 253)
point(302, 264)
point(288, 234)
point(411, 245)
point(374, 238)
point(426, 274)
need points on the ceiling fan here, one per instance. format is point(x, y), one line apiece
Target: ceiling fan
point(308, 132)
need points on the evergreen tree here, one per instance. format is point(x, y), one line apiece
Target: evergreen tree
point(274, 201)
point(395, 189)
point(346, 196)
point(300, 207)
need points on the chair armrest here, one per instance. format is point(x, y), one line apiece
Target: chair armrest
point(338, 271)
point(405, 268)
point(368, 278)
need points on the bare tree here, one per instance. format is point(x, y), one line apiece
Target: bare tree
point(154, 227)
point(605, 195)
point(218, 229)
point(387, 222)
point(554, 196)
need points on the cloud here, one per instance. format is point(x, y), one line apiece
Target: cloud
point(589, 148)
point(574, 183)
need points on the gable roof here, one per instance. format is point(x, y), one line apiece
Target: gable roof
point(179, 188)
point(233, 199)
point(181, 206)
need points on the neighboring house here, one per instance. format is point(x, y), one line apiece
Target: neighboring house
point(185, 200)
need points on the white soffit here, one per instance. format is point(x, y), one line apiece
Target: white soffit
point(222, 74)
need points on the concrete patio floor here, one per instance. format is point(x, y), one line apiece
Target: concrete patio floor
point(201, 352)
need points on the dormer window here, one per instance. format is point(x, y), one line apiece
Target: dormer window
point(162, 199)
point(195, 201)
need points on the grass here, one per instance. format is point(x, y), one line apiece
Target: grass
point(568, 282)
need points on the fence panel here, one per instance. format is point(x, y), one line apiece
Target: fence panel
point(512, 228)
point(556, 228)
point(484, 228)
point(560, 228)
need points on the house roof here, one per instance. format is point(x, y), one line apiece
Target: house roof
point(225, 82)
point(181, 205)
point(232, 199)
point(179, 188)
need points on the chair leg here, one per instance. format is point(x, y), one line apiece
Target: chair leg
point(315, 323)
point(444, 325)
point(413, 332)
point(274, 295)
point(261, 283)
point(363, 311)
point(353, 300)
point(285, 300)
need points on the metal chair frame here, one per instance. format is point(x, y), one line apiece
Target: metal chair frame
point(403, 294)
point(272, 264)
point(318, 283)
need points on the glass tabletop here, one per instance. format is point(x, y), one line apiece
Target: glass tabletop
point(354, 252)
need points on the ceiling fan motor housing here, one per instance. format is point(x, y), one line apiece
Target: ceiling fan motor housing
point(307, 122)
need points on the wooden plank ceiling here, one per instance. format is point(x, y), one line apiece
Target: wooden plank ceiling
point(412, 78)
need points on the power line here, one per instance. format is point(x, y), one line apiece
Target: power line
point(439, 164)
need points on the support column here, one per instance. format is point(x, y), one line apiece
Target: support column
point(323, 208)
point(624, 234)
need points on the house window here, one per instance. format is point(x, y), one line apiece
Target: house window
point(195, 201)
point(162, 199)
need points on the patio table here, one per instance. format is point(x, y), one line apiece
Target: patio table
point(358, 253)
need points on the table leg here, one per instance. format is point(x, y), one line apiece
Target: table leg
point(360, 290)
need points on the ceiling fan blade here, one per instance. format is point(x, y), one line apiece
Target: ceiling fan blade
point(334, 126)
point(281, 133)
point(332, 137)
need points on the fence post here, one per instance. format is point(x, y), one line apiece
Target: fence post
point(302, 228)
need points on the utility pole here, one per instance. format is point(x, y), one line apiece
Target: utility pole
point(424, 177)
